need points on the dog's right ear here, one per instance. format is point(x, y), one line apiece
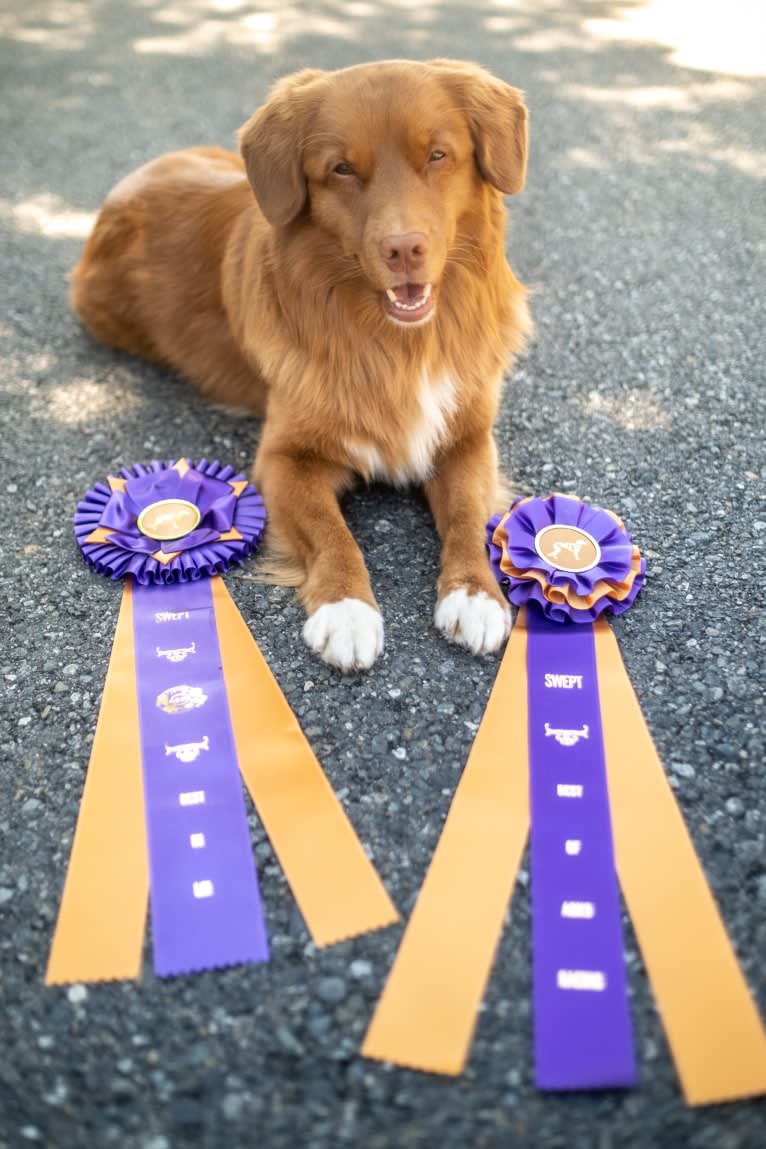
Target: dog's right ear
point(272, 142)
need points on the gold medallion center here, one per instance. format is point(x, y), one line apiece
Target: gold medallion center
point(168, 519)
point(567, 548)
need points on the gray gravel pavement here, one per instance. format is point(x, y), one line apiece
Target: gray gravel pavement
point(640, 230)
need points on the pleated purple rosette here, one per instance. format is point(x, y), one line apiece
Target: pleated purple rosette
point(167, 528)
point(232, 519)
point(610, 584)
point(567, 562)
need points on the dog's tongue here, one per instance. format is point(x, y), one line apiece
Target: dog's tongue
point(410, 302)
point(409, 292)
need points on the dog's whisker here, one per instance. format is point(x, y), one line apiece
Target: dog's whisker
point(466, 256)
point(334, 279)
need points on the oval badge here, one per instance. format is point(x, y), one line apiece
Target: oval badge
point(567, 548)
point(168, 519)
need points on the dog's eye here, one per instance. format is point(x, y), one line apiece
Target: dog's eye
point(436, 155)
point(344, 169)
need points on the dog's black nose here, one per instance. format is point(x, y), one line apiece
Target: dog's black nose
point(404, 253)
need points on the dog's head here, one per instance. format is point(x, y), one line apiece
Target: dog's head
point(394, 160)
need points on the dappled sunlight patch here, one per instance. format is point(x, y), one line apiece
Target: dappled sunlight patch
point(539, 26)
point(84, 400)
point(39, 363)
point(686, 134)
point(29, 367)
point(203, 26)
point(724, 37)
point(586, 158)
point(703, 152)
point(61, 25)
point(359, 10)
point(195, 28)
point(689, 98)
point(48, 214)
point(552, 39)
point(634, 410)
point(500, 24)
point(198, 40)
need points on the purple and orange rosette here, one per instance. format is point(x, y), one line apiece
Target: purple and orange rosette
point(574, 560)
point(563, 755)
point(167, 529)
point(189, 711)
point(564, 562)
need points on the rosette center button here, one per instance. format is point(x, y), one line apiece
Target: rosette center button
point(168, 519)
point(567, 548)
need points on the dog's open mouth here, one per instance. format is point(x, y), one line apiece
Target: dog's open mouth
point(410, 302)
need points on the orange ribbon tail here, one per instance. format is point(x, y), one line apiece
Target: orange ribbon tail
point(427, 1013)
point(100, 929)
point(711, 1022)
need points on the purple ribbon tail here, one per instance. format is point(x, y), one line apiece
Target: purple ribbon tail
point(583, 1034)
point(205, 903)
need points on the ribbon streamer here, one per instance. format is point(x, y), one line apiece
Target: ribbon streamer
point(428, 1009)
point(583, 1033)
point(100, 928)
point(712, 1024)
point(205, 903)
point(333, 881)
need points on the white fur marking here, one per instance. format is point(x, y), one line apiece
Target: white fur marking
point(368, 458)
point(473, 620)
point(347, 634)
point(437, 401)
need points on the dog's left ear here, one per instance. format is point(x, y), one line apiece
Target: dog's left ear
point(272, 142)
point(498, 119)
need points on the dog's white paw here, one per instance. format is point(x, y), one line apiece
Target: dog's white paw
point(347, 634)
point(474, 620)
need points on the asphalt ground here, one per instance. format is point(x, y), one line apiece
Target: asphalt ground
point(640, 231)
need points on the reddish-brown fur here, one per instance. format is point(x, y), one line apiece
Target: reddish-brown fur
point(276, 301)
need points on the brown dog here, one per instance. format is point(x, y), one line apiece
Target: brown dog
point(361, 301)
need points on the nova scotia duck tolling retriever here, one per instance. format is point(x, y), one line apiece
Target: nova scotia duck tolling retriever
point(345, 278)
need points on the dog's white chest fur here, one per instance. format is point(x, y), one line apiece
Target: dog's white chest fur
point(436, 402)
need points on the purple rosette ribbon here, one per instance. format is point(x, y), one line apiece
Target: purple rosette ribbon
point(169, 522)
point(572, 559)
point(168, 527)
point(568, 562)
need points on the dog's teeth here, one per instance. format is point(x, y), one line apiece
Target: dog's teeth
point(415, 304)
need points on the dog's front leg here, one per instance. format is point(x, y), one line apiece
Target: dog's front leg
point(470, 608)
point(301, 492)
